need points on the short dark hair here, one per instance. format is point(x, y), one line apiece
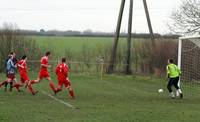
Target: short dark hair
point(11, 53)
point(63, 60)
point(24, 56)
point(47, 53)
point(171, 60)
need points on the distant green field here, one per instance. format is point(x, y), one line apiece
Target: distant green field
point(75, 44)
point(116, 98)
point(90, 49)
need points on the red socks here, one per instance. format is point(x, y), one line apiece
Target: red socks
point(71, 92)
point(2, 83)
point(32, 82)
point(17, 86)
point(31, 89)
point(52, 87)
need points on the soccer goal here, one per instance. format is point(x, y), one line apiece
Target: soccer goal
point(189, 63)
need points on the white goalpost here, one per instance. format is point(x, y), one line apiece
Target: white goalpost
point(189, 61)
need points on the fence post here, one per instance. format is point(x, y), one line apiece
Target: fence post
point(76, 64)
point(102, 68)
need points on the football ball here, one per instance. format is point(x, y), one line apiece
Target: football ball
point(160, 90)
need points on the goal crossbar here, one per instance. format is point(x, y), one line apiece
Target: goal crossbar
point(189, 37)
point(180, 46)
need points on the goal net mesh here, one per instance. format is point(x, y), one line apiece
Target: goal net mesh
point(190, 65)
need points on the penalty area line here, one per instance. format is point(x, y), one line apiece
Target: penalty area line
point(58, 100)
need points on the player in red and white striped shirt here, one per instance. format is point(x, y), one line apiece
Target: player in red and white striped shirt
point(62, 76)
point(44, 71)
point(22, 67)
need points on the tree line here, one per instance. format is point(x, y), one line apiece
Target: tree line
point(91, 33)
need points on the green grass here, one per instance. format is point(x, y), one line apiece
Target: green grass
point(75, 45)
point(116, 98)
point(72, 43)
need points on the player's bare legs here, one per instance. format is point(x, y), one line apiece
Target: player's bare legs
point(3, 83)
point(71, 92)
point(67, 86)
point(30, 88)
point(10, 81)
point(51, 84)
point(13, 83)
point(35, 81)
point(5, 86)
point(59, 88)
point(17, 85)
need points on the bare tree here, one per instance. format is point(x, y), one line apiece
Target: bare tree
point(187, 18)
point(12, 40)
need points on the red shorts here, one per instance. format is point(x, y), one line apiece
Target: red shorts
point(64, 81)
point(24, 77)
point(11, 76)
point(44, 74)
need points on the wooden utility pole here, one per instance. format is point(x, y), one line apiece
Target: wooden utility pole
point(128, 58)
point(149, 21)
point(151, 35)
point(116, 38)
point(117, 33)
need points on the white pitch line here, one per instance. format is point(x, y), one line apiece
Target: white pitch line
point(58, 100)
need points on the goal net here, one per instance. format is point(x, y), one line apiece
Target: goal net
point(189, 62)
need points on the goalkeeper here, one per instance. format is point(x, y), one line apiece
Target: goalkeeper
point(173, 73)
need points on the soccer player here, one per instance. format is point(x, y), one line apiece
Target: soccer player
point(62, 76)
point(10, 68)
point(44, 71)
point(14, 61)
point(5, 82)
point(173, 73)
point(22, 67)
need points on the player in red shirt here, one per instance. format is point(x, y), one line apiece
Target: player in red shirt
point(44, 71)
point(23, 74)
point(62, 76)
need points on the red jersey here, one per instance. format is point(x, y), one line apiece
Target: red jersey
point(62, 70)
point(44, 61)
point(22, 66)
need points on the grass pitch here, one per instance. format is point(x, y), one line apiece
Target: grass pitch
point(116, 98)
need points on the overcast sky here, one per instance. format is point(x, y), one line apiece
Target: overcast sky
point(98, 15)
